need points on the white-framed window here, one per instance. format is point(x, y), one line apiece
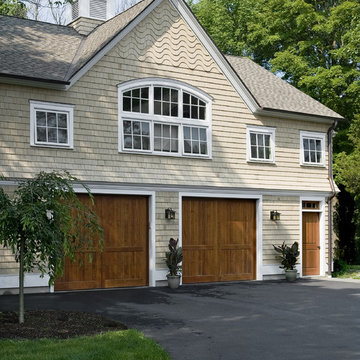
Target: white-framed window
point(51, 124)
point(260, 144)
point(164, 117)
point(312, 148)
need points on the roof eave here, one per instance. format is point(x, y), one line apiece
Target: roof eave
point(294, 115)
point(33, 81)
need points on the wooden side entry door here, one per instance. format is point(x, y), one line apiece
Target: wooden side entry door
point(311, 243)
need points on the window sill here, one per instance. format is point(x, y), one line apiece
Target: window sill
point(263, 162)
point(177, 155)
point(313, 165)
point(59, 147)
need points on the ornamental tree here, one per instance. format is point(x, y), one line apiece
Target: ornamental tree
point(43, 222)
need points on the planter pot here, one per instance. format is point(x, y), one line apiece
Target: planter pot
point(173, 281)
point(290, 275)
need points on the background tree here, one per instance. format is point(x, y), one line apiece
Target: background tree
point(312, 44)
point(13, 8)
point(44, 222)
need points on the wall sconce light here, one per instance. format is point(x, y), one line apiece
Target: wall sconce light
point(274, 215)
point(170, 214)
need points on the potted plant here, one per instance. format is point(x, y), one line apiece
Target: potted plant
point(173, 259)
point(288, 256)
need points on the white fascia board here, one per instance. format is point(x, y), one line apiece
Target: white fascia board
point(216, 54)
point(113, 43)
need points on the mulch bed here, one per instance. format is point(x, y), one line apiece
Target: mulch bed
point(54, 324)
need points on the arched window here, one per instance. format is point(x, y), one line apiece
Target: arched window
point(164, 117)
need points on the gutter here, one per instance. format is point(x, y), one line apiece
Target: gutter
point(330, 134)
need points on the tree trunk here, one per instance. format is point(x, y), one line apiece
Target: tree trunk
point(21, 283)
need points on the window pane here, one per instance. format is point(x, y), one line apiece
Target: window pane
point(146, 143)
point(166, 108)
point(306, 144)
point(127, 127)
point(41, 134)
point(267, 153)
point(135, 105)
point(312, 144)
point(157, 93)
point(136, 127)
point(267, 140)
point(62, 135)
point(51, 119)
point(174, 146)
point(195, 147)
point(203, 148)
point(166, 145)
point(174, 110)
point(186, 111)
point(252, 139)
point(145, 128)
point(318, 157)
point(261, 152)
point(194, 112)
point(254, 152)
point(201, 103)
point(195, 133)
point(157, 130)
point(145, 106)
point(136, 93)
point(62, 121)
point(41, 118)
point(318, 145)
point(157, 144)
point(202, 113)
point(127, 93)
point(203, 134)
point(52, 135)
point(312, 155)
point(186, 132)
point(174, 132)
point(145, 93)
point(137, 142)
point(306, 156)
point(126, 104)
point(157, 107)
point(166, 94)
point(186, 98)
point(187, 146)
point(194, 100)
point(127, 142)
point(260, 138)
point(174, 96)
point(166, 131)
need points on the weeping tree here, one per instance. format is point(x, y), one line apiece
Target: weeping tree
point(42, 222)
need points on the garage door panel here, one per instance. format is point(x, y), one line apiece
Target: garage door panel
point(230, 229)
point(124, 259)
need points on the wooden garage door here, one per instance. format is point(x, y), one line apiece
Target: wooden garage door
point(124, 259)
point(219, 239)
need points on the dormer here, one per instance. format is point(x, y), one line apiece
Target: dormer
point(86, 15)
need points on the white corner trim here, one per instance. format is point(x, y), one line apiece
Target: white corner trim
point(30, 280)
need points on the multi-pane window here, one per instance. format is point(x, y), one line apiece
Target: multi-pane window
point(136, 100)
point(261, 144)
point(166, 138)
point(136, 135)
point(166, 101)
point(51, 127)
point(51, 124)
point(312, 148)
point(193, 107)
point(165, 118)
point(195, 140)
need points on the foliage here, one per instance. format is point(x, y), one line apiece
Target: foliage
point(129, 344)
point(44, 222)
point(13, 8)
point(288, 255)
point(174, 257)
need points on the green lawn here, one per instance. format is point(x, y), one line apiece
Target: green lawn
point(119, 345)
point(348, 272)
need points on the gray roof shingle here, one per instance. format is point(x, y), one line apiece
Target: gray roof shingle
point(273, 93)
point(42, 51)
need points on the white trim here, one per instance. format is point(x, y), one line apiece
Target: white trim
point(52, 107)
point(317, 136)
point(153, 119)
point(259, 215)
point(265, 131)
point(152, 227)
point(322, 216)
point(274, 269)
point(30, 280)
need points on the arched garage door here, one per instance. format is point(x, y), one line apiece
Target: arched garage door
point(124, 259)
point(219, 239)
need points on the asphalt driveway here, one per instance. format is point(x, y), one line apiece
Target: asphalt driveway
point(309, 319)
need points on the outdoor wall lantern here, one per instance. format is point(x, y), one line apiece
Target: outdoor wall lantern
point(170, 214)
point(274, 215)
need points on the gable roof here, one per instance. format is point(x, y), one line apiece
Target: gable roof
point(33, 50)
